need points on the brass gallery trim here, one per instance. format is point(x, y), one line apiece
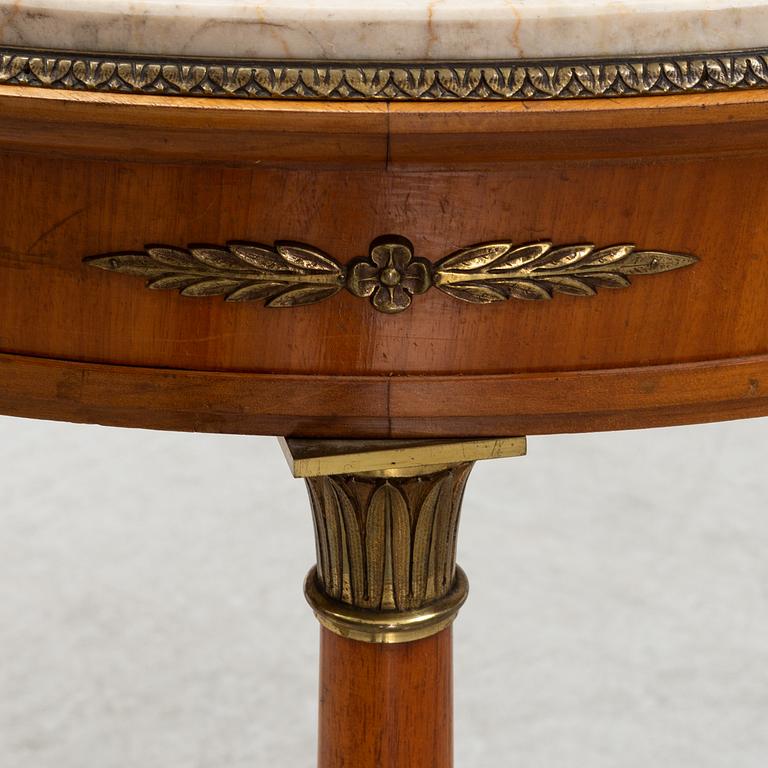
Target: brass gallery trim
point(388, 81)
point(290, 274)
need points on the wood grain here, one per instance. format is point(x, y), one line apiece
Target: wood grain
point(183, 129)
point(401, 406)
point(386, 706)
point(59, 211)
point(237, 132)
point(83, 174)
point(500, 133)
point(86, 174)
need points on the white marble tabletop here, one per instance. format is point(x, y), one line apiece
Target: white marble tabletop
point(386, 30)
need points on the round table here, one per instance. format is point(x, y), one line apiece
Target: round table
point(400, 236)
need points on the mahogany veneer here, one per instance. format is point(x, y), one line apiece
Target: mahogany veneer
point(84, 174)
point(387, 705)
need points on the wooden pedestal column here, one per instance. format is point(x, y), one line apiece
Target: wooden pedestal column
point(385, 705)
point(386, 589)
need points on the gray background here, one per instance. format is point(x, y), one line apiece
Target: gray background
point(151, 613)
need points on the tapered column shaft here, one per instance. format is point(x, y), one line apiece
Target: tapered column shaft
point(386, 589)
point(386, 705)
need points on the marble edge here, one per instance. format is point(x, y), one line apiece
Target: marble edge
point(397, 30)
point(519, 79)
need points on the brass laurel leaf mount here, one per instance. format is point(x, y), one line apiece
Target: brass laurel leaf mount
point(290, 274)
point(386, 518)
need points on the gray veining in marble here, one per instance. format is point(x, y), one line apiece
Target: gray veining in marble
point(396, 30)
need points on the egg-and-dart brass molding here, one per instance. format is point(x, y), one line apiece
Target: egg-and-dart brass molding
point(586, 77)
point(290, 274)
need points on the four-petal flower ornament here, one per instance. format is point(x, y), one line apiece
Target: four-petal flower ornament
point(291, 274)
point(390, 275)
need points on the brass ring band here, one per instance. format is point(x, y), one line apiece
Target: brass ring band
point(370, 626)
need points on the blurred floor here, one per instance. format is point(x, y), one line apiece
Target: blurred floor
point(151, 613)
